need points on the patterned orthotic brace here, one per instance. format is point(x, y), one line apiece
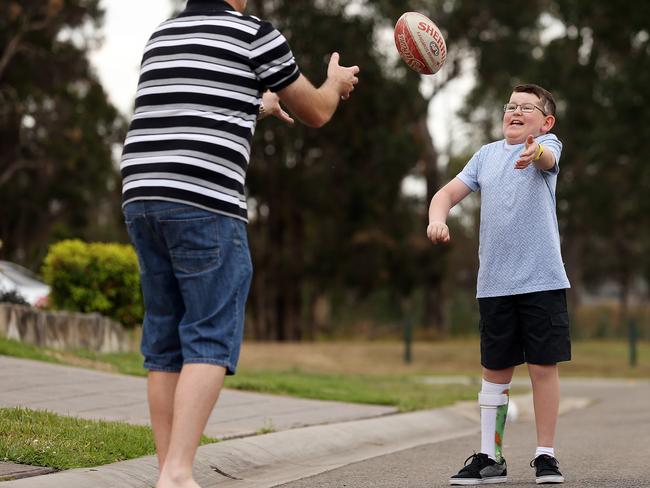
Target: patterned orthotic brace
point(500, 401)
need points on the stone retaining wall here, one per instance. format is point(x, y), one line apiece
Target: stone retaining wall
point(61, 330)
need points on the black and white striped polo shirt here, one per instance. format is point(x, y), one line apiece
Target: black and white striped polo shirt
point(201, 80)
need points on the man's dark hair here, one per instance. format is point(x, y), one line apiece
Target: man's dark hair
point(548, 102)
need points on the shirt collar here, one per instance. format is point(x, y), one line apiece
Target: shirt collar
point(207, 5)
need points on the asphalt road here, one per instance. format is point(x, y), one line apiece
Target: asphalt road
point(604, 445)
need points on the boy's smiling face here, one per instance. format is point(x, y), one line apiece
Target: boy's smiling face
point(518, 125)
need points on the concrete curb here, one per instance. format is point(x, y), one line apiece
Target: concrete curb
point(13, 471)
point(272, 459)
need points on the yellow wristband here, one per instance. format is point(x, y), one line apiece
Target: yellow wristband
point(540, 151)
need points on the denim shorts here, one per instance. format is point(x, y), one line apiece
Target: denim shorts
point(196, 270)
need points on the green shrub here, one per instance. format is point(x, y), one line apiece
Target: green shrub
point(95, 277)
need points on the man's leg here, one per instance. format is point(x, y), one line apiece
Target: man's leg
point(546, 399)
point(160, 390)
point(164, 309)
point(213, 281)
point(197, 391)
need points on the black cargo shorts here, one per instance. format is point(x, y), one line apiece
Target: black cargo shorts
point(527, 328)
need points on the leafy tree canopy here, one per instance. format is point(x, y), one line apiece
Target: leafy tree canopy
point(56, 124)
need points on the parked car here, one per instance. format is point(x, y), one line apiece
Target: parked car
point(16, 278)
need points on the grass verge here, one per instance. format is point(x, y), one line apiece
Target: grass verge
point(362, 372)
point(407, 393)
point(41, 438)
point(23, 350)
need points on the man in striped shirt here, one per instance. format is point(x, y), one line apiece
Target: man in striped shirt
point(207, 76)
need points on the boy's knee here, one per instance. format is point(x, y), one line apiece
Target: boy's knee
point(541, 371)
point(499, 376)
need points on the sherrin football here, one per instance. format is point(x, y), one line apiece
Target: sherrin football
point(420, 43)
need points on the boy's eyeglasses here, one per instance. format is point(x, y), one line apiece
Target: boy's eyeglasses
point(526, 108)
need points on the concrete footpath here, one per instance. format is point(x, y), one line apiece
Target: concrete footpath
point(311, 436)
point(96, 395)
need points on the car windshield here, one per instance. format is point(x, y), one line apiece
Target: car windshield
point(19, 275)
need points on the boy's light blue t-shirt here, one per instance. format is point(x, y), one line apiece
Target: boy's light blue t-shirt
point(519, 246)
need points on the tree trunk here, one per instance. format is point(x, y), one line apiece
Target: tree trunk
point(434, 296)
point(573, 252)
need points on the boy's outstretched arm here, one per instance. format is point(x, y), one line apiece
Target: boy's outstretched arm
point(448, 196)
point(534, 153)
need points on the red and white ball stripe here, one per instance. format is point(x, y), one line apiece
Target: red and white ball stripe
point(420, 43)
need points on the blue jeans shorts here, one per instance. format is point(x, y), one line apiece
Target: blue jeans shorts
point(195, 269)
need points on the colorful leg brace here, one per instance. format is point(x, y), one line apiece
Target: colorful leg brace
point(500, 403)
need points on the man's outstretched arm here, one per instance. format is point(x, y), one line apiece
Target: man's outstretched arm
point(315, 106)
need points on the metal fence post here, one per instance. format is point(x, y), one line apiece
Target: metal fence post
point(408, 339)
point(631, 325)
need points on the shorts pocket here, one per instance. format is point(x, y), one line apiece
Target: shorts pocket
point(560, 336)
point(560, 322)
point(193, 243)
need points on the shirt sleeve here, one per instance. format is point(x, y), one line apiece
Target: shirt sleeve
point(272, 59)
point(553, 144)
point(469, 174)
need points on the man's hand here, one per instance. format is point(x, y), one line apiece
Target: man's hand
point(344, 78)
point(438, 232)
point(271, 104)
point(315, 106)
point(528, 154)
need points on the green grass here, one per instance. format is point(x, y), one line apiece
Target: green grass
point(22, 350)
point(407, 393)
point(121, 362)
point(268, 428)
point(42, 438)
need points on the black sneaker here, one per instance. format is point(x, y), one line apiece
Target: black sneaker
point(546, 469)
point(482, 470)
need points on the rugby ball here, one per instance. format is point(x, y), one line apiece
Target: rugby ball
point(420, 43)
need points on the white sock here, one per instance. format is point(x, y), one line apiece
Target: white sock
point(549, 451)
point(489, 418)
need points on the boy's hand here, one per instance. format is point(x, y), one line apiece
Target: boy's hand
point(527, 155)
point(438, 232)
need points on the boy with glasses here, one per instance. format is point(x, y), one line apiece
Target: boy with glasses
point(521, 280)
